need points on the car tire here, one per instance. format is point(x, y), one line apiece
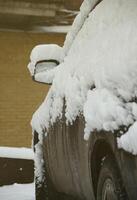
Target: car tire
point(110, 185)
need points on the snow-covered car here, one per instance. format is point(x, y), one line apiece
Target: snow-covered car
point(85, 132)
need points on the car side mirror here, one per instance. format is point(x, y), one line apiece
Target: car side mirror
point(42, 68)
point(43, 62)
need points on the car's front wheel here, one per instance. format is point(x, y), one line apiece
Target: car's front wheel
point(110, 186)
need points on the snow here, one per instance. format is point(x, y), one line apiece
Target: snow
point(39, 162)
point(104, 111)
point(53, 29)
point(85, 9)
point(43, 29)
point(19, 153)
point(128, 141)
point(101, 54)
point(44, 52)
point(18, 192)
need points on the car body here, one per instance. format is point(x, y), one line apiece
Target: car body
point(74, 166)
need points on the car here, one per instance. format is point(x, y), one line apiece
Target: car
point(84, 133)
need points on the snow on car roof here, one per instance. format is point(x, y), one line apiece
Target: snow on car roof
point(102, 54)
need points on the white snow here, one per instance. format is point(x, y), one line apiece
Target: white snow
point(104, 54)
point(85, 9)
point(19, 153)
point(18, 192)
point(39, 162)
point(53, 29)
point(129, 140)
point(105, 111)
point(44, 52)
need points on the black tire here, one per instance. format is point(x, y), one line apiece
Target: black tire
point(110, 185)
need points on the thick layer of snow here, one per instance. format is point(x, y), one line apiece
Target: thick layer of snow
point(18, 192)
point(85, 9)
point(105, 111)
point(19, 153)
point(129, 140)
point(103, 54)
point(39, 162)
point(45, 52)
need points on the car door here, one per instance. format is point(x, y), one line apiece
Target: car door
point(67, 156)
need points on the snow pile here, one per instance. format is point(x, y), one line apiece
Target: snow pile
point(44, 52)
point(105, 111)
point(18, 192)
point(39, 162)
point(18, 153)
point(85, 9)
point(128, 141)
point(103, 54)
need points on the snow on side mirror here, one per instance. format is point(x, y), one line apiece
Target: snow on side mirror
point(43, 61)
point(44, 70)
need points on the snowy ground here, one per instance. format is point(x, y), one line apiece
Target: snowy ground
point(17, 192)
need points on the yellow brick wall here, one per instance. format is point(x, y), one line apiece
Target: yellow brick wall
point(19, 95)
point(71, 4)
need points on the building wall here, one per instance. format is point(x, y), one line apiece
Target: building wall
point(19, 95)
point(71, 4)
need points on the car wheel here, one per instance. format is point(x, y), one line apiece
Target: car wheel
point(110, 186)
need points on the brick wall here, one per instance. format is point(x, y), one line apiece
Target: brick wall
point(19, 95)
point(71, 4)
